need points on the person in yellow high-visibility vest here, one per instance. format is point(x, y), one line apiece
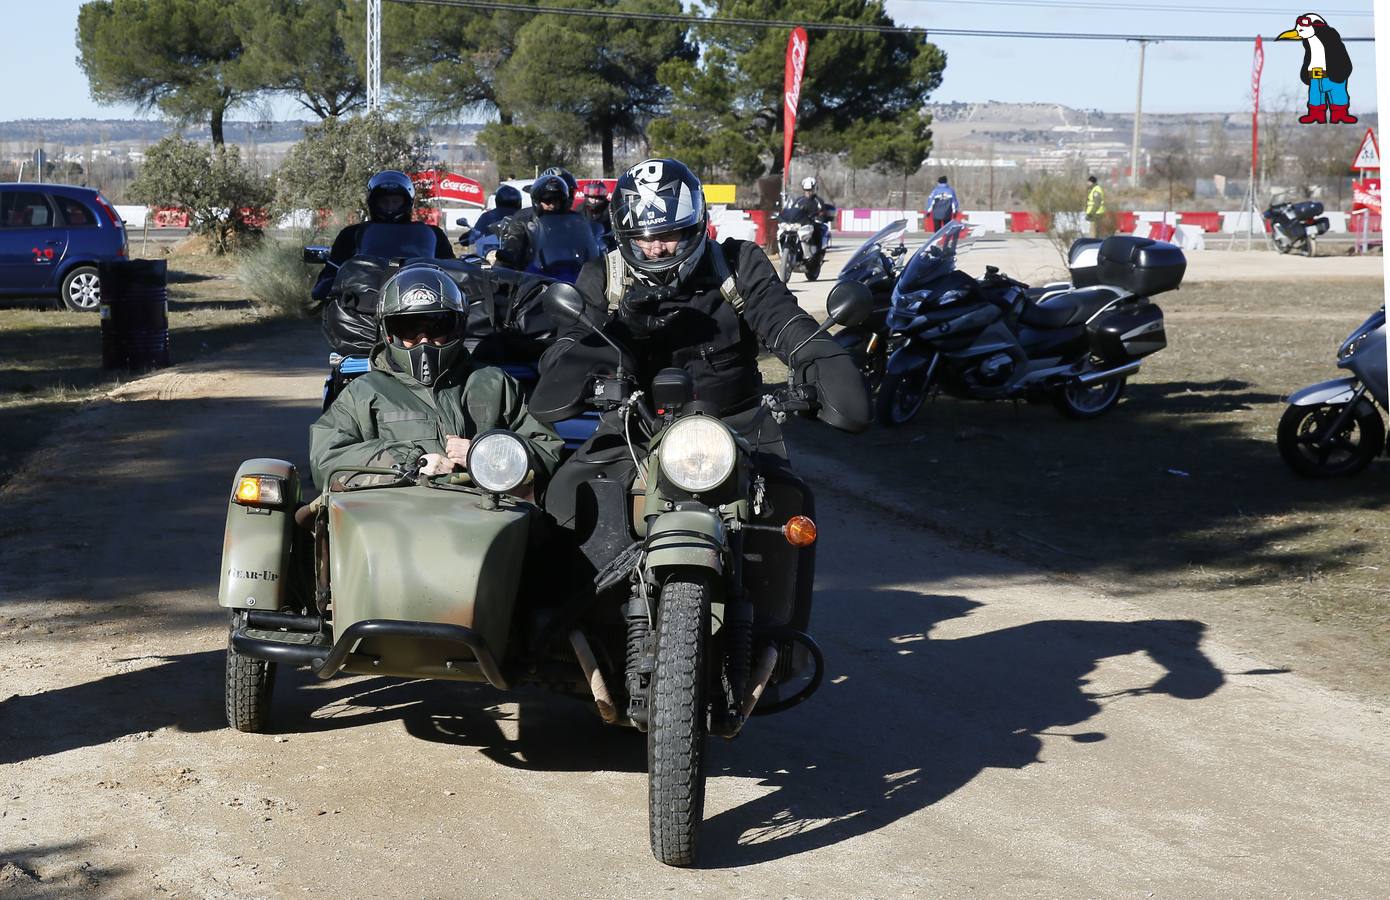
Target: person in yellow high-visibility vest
point(1095, 205)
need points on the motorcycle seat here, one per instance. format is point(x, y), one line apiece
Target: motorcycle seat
point(1038, 292)
point(1066, 309)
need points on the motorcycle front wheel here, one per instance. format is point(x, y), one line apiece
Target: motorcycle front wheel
point(813, 267)
point(1078, 401)
point(1310, 246)
point(787, 264)
point(900, 397)
point(1308, 447)
point(676, 735)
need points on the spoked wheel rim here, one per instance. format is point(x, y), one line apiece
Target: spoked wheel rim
point(84, 291)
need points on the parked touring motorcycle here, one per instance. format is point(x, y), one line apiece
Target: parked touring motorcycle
point(451, 577)
point(1334, 428)
point(1296, 226)
point(997, 339)
point(798, 246)
point(877, 264)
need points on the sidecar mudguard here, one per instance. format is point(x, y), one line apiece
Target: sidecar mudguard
point(686, 538)
point(430, 556)
point(256, 545)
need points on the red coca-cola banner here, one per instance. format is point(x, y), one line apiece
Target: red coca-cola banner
point(1366, 195)
point(791, 92)
point(443, 185)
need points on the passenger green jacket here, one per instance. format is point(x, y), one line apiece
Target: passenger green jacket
point(382, 416)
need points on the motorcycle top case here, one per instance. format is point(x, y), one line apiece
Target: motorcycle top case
point(1127, 332)
point(1141, 266)
point(1307, 209)
point(1083, 261)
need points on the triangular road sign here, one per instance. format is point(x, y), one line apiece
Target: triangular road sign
point(1368, 157)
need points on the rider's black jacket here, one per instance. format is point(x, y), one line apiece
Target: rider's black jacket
point(351, 239)
point(809, 208)
point(696, 328)
point(496, 216)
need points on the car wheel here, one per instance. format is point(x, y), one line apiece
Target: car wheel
point(81, 290)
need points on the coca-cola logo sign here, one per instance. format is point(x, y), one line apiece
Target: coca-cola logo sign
point(450, 186)
point(796, 65)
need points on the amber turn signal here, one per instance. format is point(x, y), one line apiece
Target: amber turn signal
point(799, 531)
point(249, 490)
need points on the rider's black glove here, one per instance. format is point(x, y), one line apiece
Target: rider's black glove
point(844, 398)
point(640, 310)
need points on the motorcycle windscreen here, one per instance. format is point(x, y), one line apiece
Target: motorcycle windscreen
point(393, 241)
point(891, 235)
point(564, 243)
point(421, 554)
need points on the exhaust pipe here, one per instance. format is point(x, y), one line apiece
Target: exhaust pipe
point(1109, 374)
point(762, 674)
point(602, 698)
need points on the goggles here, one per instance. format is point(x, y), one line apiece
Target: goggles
point(1307, 22)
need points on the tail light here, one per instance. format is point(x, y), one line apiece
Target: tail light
point(111, 215)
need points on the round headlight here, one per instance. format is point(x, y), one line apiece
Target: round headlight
point(697, 453)
point(498, 461)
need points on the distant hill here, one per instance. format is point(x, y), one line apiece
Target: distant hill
point(140, 132)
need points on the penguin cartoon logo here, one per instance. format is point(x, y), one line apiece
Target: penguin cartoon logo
point(1326, 68)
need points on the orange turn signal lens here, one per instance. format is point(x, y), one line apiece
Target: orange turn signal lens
point(248, 490)
point(799, 531)
point(259, 490)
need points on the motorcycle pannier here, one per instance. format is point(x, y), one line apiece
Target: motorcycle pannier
point(1127, 332)
point(1083, 261)
point(1141, 266)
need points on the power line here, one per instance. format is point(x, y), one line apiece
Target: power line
point(1144, 8)
point(686, 19)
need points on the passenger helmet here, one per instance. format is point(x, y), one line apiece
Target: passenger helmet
point(658, 198)
point(507, 197)
point(808, 183)
point(386, 184)
point(551, 189)
point(422, 299)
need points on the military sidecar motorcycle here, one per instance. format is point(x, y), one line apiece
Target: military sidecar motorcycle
point(452, 577)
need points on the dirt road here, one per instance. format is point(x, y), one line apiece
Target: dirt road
point(984, 728)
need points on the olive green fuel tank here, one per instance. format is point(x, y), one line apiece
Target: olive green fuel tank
point(421, 554)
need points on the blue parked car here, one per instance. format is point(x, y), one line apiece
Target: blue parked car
point(51, 238)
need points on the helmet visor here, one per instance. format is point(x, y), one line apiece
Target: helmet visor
point(417, 328)
point(662, 247)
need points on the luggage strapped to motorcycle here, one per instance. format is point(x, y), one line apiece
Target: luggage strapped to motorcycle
point(619, 278)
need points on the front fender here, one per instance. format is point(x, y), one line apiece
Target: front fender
point(1326, 393)
point(908, 358)
point(256, 548)
point(686, 538)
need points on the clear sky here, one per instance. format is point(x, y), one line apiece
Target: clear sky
point(38, 64)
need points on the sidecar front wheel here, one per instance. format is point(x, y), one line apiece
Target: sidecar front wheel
point(247, 691)
point(676, 738)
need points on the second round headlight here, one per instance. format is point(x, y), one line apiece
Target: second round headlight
point(498, 461)
point(697, 453)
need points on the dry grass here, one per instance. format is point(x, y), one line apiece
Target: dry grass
point(1179, 489)
point(50, 359)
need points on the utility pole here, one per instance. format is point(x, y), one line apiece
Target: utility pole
point(1138, 117)
point(373, 55)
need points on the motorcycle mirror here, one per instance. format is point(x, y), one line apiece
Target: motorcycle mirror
point(563, 303)
point(315, 253)
point(461, 221)
point(849, 303)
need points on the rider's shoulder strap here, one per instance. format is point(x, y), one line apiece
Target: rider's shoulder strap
point(618, 278)
point(728, 285)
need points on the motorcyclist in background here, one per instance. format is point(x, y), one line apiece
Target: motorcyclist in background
point(550, 195)
point(596, 208)
point(388, 231)
point(810, 208)
point(506, 203)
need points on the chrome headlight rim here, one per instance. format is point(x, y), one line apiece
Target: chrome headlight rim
point(698, 454)
point(499, 461)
